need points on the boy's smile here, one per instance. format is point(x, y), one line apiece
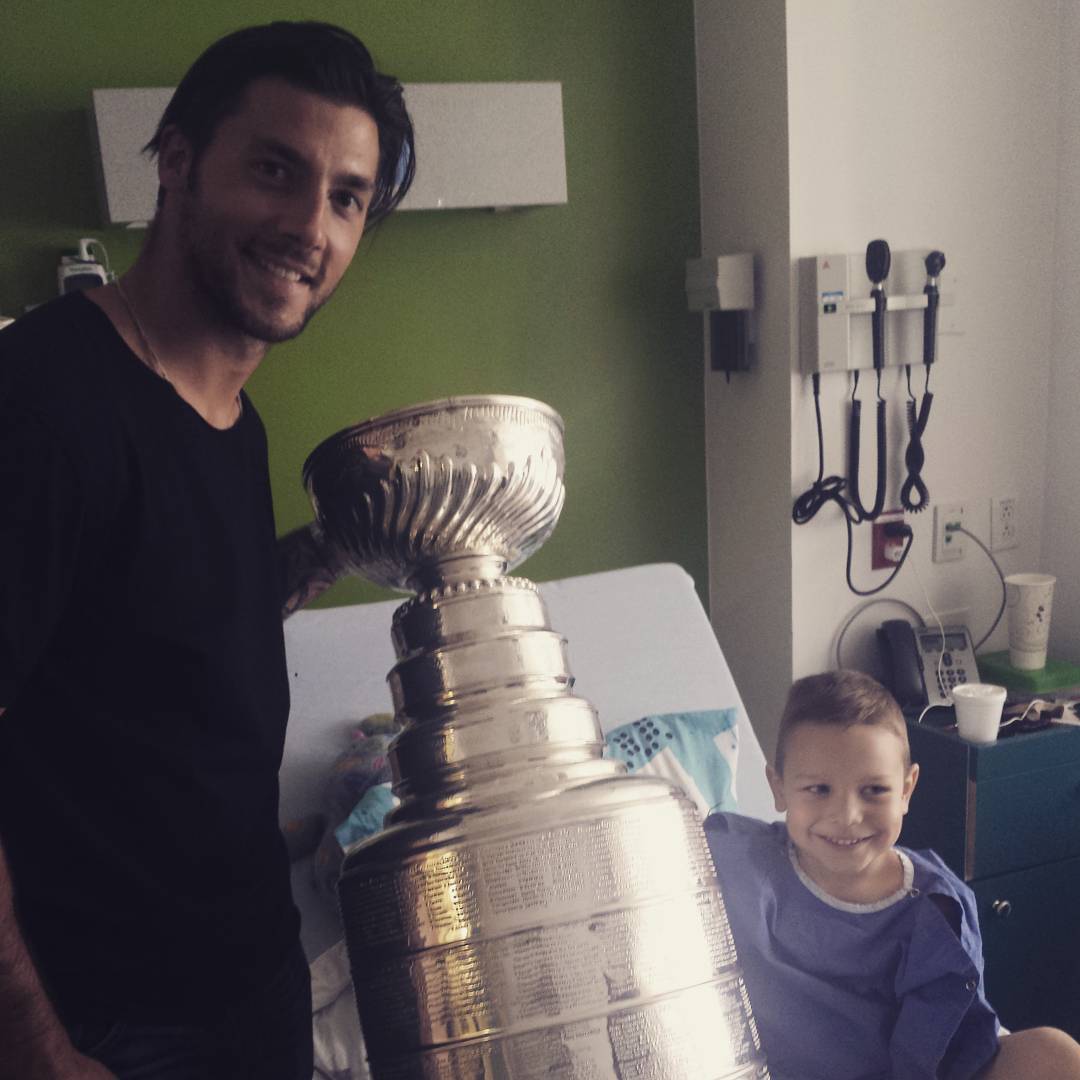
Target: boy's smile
point(845, 791)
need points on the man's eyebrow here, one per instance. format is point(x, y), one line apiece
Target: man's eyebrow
point(357, 182)
point(275, 146)
point(268, 144)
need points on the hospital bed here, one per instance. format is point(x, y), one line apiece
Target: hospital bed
point(639, 643)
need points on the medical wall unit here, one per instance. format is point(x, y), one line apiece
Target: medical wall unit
point(836, 310)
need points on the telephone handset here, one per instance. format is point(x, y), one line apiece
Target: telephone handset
point(922, 665)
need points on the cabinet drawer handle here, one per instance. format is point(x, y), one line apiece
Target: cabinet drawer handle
point(1001, 908)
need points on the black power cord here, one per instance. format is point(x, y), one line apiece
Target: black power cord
point(914, 495)
point(1004, 591)
point(896, 530)
point(831, 489)
point(824, 489)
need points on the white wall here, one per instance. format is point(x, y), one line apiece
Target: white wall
point(742, 122)
point(932, 125)
point(1061, 538)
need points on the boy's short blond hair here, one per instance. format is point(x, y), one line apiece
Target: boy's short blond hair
point(841, 698)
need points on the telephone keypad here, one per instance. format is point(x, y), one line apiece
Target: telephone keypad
point(952, 676)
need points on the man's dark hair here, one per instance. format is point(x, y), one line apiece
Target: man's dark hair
point(312, 56)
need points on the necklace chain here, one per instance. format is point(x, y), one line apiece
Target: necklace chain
point(152, 360)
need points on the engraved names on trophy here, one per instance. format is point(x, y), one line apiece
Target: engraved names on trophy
point(509, 883)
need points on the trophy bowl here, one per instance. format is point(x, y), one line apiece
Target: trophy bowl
point(447, 492)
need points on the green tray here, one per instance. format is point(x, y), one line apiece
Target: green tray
point(1058, 674)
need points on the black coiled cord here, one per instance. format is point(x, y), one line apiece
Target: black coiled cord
point(914, 495)
point(854, 427)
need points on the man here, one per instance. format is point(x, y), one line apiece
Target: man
point(146, 922)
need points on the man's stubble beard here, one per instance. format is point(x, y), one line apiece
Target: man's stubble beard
point(215, 274)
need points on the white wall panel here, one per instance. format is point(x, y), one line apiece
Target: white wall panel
point(477, 145)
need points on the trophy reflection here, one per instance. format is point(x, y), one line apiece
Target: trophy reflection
point(530, 911)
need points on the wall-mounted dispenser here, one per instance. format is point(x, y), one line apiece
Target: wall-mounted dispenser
point(837, 311)
point(723, 287)
point(492, 145)
point(82, 269)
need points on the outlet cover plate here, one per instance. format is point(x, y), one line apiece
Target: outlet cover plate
point(879, 541)
point(1004, 522)
point(948, 544)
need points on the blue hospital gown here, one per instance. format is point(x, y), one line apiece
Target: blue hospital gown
point(857, 992)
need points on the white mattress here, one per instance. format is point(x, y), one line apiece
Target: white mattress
point(640, 643)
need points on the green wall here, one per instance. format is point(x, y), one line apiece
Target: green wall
point(579, 305)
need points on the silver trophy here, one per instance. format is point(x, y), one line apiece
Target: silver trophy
point(530, 911)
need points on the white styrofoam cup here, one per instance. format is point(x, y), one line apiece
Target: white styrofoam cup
point(978, 711)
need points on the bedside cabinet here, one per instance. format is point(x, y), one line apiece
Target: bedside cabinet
point(1005, 817)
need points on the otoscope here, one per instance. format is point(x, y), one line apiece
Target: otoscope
point(878, 260)
point(914, 495)
point(935, 263)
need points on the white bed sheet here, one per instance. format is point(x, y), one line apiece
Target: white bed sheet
point(640, 643)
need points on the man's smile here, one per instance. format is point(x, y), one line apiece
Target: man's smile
point(283, 268)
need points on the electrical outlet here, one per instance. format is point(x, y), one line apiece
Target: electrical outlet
point(1004, 522)
point(882, 546)
point(948, 542)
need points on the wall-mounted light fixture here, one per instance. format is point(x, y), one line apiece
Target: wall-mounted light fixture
point(492, 145)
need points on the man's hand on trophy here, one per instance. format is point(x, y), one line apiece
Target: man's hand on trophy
point(309, 563)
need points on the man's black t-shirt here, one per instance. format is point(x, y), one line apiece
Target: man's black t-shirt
point(143, 673)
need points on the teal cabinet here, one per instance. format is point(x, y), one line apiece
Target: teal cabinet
point(1006, 818)
point(1029, 922)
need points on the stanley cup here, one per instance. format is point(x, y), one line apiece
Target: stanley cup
point(530, 911)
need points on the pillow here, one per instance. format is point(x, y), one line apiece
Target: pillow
point(695, 750)
point(366, 817)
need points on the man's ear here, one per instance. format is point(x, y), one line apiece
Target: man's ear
point(910, 781)
point(776, 782)
point(175, 158)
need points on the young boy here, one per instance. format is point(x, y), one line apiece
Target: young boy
point(863, 960)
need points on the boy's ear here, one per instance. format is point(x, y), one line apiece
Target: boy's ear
point(910, 781)
point(776, 782)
